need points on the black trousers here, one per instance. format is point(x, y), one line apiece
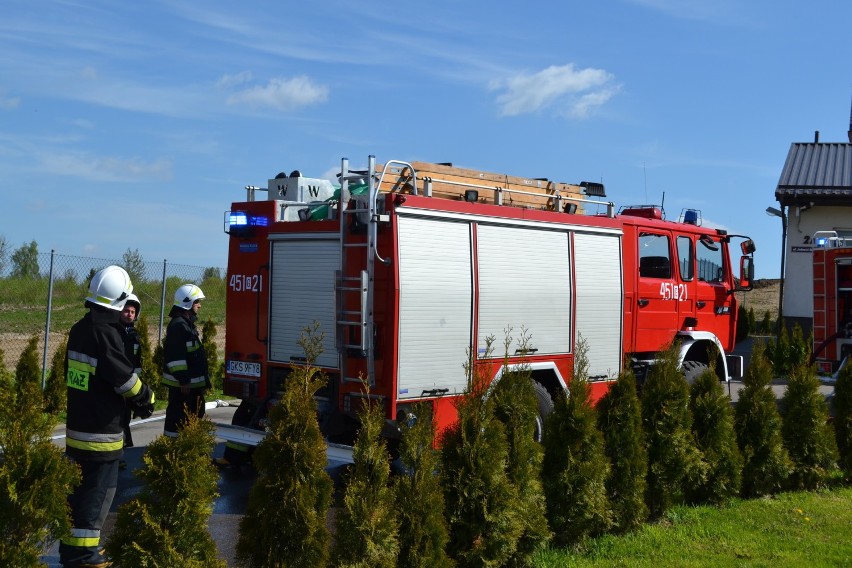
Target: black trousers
point(179, 406)
point(90, 503)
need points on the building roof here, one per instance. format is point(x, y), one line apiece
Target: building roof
point(816, 172)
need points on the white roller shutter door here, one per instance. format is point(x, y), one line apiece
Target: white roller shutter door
point(600, 300)
point(524, 282)
point(435, 305)
point(302, 280)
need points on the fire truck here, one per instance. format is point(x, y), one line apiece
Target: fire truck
point(832, 257)
point(411, 269)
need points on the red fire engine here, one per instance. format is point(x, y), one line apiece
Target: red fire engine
point(408, 267)
point(832, 302)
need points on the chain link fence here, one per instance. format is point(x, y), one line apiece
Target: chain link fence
point(43, 294)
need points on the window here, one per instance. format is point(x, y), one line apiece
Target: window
point(709, 255)
point(686, 257)
point(654, 259)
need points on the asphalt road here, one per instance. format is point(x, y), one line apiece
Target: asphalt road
point(234, 485)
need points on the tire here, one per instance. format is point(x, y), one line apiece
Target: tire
point(692, 370)
point(545, 407)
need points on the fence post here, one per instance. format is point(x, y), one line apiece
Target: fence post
point(47, 324)
point(162, 305)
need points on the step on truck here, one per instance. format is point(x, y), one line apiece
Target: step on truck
point(409, 267)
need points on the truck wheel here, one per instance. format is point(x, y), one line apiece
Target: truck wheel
point(692, 370)
point(545, 407)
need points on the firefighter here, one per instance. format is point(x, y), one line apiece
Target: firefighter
point(101, 380)
point(129, 315)
point(185, 365)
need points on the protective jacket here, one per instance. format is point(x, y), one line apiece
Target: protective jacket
point(184, 357)
point(133, 348)
point(100, 380)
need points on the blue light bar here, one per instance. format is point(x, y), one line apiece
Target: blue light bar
point(238, 219)
point(821, 241)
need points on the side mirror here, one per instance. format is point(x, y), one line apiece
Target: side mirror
point(747, 246)
point(746, 273)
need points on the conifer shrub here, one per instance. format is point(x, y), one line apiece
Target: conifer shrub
point(752, 322)
point(808, 436)
point(713, 429)
point(7, 380)
point(285, 519)
point(150, 372)
point(766, 463)
point(575, 467)
point(35, 476)
point(28, 370)
point(842, 422)
point(673, 460)
point(423, 533)
point(161, 391)
point(208, 340)
point(517, 408)
point(55, 390)
point(620, 422)
point(778, 353)
point(800, 348)
point(766, 322)
point(166, 525)
point(482, 504)
point(367, 523)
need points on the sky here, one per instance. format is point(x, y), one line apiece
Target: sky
point(134, 125)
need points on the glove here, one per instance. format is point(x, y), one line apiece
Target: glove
point(144, 410)
point(145, 406)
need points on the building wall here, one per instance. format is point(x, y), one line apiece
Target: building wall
point(798, 271)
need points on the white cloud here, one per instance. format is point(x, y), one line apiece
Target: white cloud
point(282, 94)
point(571, 92)
point(106, 168)
point(227, 81)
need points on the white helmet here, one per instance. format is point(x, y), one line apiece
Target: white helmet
point(110, 288)
point(186, 295)
point(132, 299)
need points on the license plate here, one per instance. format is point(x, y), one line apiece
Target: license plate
point(244, 368)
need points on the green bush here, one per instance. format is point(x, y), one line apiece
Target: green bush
point(367, 524)
point(482, 504)
point(620, 421)
point(35, 477)
point(843, 419)
point(55, 390)
point(285, 520)
point(807, 434)
point(766, 463)
point(517, 408)
point(423, 533)
point(208, 340)
point(166, 525)
point(673, 460)
point(713, 429)
point(766, 322)
point(575, 465)
point(28, 370)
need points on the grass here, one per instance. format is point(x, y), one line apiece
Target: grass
point(791, 529)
